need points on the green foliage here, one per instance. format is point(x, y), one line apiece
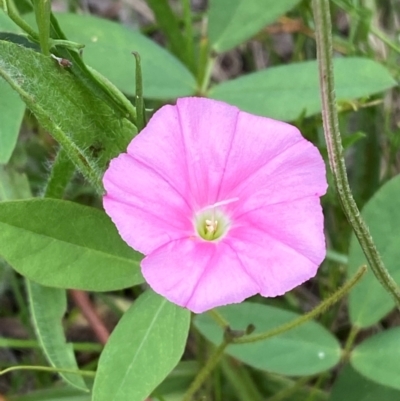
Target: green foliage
point(83, 100)
point(305, 350)
point(61, 247)
point(368, 302)
point(13, 185)
point(229, 19)
point(145, 346)
point(351, 386)
point(47, 306)
point(377, 358)
point(11, 111)
point(109, 47)
point(56, 99)
point(275, 93)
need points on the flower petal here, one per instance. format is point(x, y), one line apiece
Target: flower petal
point(270, 162)
point(188, 144)
point(146, 209)
point(198, 275)
point(208, 128)
point(281, 245)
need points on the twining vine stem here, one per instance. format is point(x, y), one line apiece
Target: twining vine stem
point(333, 140)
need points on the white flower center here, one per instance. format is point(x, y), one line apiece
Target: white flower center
point(211, 222)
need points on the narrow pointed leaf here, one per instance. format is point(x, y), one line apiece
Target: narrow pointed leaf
point(12, 110)
point(47, 306)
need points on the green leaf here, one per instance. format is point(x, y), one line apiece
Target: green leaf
point(378, 358)
point(47, 306)
point(231, 22)
point(6, 24)
point(179, 379)
point(351, 386)
point(53, 394)
point(65, 107)
point(109, 47)
point(275, 92)
point(12, 110)
point(146, 345)
point(305, 350)
point(368, 301)
point(62, 244)
point(169, 25)
point(13, 185)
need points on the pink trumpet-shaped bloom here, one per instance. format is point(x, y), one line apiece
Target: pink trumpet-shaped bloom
point(222, 203)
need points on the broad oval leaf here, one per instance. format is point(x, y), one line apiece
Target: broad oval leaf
point(231, 22)
point(63, 244)
point(48, 306)
point(109, 47)
point(288, 91)
point(378, 358)
point(12, 110)
point(146, 345)
point(368, 301)
point(351, 386)
point(305, 350)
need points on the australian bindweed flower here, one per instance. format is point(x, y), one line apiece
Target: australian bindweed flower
point(222, 203)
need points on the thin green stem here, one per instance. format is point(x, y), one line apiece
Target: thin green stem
point(114, 93)
point(139, 102)
point(337, 257)
point(335, 150)
point(379, 34)
point(219, 319)
point(241, 381)
point(33, 344)
point(285, 393)
point(205, 371)
point(350, 341)
point(206, 61)
point(335, 297)
point(42, 10)
point(13, 13)
point(61, 173)
point(188, 34)
point(47, 369)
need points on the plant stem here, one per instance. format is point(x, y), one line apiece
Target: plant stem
point(50, 370)
point(218, 318)
point(13, 13)
point(42, 10)
point(60, 175)
point(349, 342)
point(335, 150)
point(139, 102)
point(206, 370)
point(287, 392)
point(335, 297)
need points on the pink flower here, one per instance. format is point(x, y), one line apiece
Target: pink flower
point(222, 203)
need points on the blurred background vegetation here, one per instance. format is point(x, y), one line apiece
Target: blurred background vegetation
point(371, 136)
